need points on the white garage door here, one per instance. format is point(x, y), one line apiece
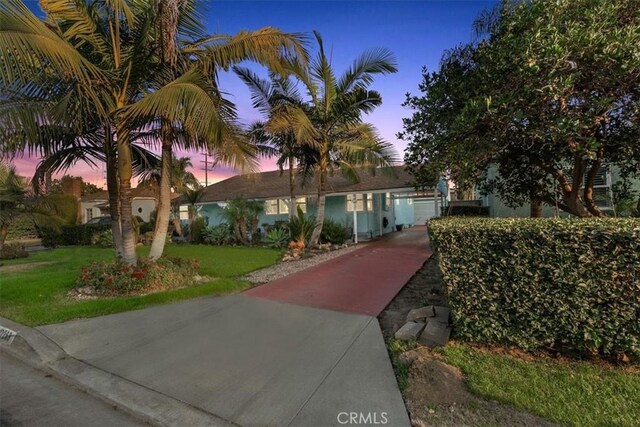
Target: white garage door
point(423, 210)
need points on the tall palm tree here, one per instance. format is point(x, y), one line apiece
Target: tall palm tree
point(268, 97)
point(103, 59)
point(329, 126)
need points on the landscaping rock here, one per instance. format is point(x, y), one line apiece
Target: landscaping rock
point(418, 314)
point(435, 334)
point(410, 331)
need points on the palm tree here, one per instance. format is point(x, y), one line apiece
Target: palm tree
point(102, 59)
point(268, 97)
point(328, 126)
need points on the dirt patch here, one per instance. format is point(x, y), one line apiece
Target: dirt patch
point(18, 268)
point(436, 393)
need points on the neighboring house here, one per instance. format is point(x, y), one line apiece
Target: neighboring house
point(377, 203)
point(97, 204)
point(603, 196)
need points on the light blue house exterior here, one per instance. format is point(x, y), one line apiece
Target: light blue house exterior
point(378, 204)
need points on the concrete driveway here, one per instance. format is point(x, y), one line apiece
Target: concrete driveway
point(253, 360)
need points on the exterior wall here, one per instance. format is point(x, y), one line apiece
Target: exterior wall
point(403, 211)
point(90, 205)
point(143, 208)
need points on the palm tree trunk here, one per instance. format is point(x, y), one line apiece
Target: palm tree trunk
point(293, 208)
point(112, 190)
point(315, 236)
point(125, 172)
point(164, 199)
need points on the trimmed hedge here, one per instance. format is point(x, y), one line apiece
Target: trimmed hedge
point(72, 235)
point(564, 284)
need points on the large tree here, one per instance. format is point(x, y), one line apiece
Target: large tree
point(548, 95)
point(327, 125)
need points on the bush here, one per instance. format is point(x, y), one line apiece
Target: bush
point(564, 284)
point(118, 278)
point(220, 234)
point(22, 228)
point(71, 235)
point(465, 211)
point(301, 227)
point(333, 232)
point(197, 228)
point(277, 238)
point(103, 239)
point(13, 251)
point(64, 206)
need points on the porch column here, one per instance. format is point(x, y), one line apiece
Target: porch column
point(354, 200)
point(435, 203)
point(380, 212)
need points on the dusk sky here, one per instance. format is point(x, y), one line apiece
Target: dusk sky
point(417, 32)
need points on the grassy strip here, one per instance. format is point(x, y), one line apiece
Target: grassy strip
point(36, 293)
point(400, 366)
point(569, 392)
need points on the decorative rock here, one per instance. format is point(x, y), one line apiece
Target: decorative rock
point(435, 334)
point(409, 331)
point(421, 313)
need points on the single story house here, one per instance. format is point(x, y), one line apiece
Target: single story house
point(377, 204)
point(97, 204)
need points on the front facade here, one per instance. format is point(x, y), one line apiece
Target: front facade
point(97, 204)
point(376, 205)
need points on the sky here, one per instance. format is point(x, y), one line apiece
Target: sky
point(418, 32)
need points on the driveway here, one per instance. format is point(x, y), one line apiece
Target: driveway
point(305, 350)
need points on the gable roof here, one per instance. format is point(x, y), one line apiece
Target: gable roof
point(274, 184)
point(138, 192)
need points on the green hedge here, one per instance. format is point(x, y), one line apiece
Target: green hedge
point(565, 284)
point(72, 235)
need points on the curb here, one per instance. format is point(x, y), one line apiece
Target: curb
point(36, 349)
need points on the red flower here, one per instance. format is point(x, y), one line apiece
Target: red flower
point(138, 275)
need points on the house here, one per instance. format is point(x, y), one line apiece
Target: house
point(143, 204)
point(376, 204)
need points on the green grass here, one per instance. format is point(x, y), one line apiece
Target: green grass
point(37, 294)
point(574, 393)
point(396, 348)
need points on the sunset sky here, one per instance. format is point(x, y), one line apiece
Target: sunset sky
point(417, 32)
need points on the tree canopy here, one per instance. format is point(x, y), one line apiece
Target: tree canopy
point(549, 93)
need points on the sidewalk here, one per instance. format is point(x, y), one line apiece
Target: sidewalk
point(276, 355)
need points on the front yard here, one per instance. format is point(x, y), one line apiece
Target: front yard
point(33, 290)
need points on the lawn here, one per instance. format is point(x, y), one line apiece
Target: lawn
point(568, 392)
point(33, 290)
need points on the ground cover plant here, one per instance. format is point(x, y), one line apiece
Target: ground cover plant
point(34, 290)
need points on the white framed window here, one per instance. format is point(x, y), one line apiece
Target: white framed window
point(276, 206)
point(184, 212)
point(89, 213)
point(364, 202)
point(302, 204)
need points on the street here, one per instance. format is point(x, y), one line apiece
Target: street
point(30, 397)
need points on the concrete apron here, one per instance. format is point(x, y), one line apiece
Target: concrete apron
point(245, 361)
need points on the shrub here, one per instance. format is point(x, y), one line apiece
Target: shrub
point(465, 211)
point(197, 228)
point(220, 234)
point(333, 232)
point(22, 228)
point(277, 238)
point(103, 239)
point(71, 235)
point(64, 206)
point(565, 284)
point(118, 278)
point(13, 251)
point(301, 227)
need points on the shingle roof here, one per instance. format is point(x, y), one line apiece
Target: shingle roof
point(273, 184)
point(143, 191)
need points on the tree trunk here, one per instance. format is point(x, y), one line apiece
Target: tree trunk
point(293, 207)
point(4, 230)
point(114, 194)
point(536, 208)
point(125, 173)
point(315, 236)
point(164, 199)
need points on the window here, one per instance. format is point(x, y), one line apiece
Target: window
point(276, 207)
point(302, 204)
point(89, 213)
point(362, 201)
point(387, 201)
point(184, 212)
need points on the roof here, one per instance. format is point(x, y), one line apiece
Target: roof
point(138, 192)
point(274, 184)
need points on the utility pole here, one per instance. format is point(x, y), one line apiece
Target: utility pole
point(207, 163)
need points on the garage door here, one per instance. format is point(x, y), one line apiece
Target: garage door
point(423, 210)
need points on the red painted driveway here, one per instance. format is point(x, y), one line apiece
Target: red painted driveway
point(363, 281)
